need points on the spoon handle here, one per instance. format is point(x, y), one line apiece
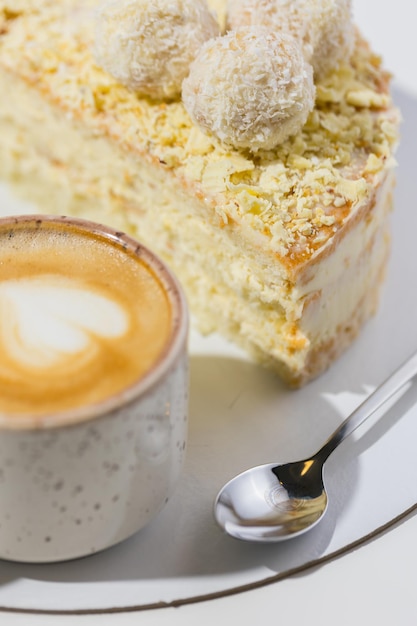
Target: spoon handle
point(372, 403)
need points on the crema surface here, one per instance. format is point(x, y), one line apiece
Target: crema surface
point(81, 319)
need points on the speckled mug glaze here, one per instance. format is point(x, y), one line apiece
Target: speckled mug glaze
point(78, 482)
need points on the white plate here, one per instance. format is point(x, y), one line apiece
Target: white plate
point(241, 416)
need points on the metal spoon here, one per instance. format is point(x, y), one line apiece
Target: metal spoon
point(276, 502)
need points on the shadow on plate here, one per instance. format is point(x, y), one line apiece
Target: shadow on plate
point(240, 415)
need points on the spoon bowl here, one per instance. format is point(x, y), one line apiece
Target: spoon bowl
point(258, 506)
point(275, 502)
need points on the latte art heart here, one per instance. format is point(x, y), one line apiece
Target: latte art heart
point(47, 320)
point(82, 318)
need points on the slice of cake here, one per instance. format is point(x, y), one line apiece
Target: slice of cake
point(282, 250)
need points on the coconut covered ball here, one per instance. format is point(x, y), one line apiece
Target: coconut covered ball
point(282, 13)
point(331, 33)
point(325, 27)
point(148, 45)
point(251, 88)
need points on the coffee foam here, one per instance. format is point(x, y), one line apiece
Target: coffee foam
point(46, 319)
point(80, 319)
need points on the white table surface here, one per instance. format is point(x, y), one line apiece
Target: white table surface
point(376, 583)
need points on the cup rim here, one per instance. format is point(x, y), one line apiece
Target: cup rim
point(172, 351)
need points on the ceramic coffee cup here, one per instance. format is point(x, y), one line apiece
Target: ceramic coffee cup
point(93, 387)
